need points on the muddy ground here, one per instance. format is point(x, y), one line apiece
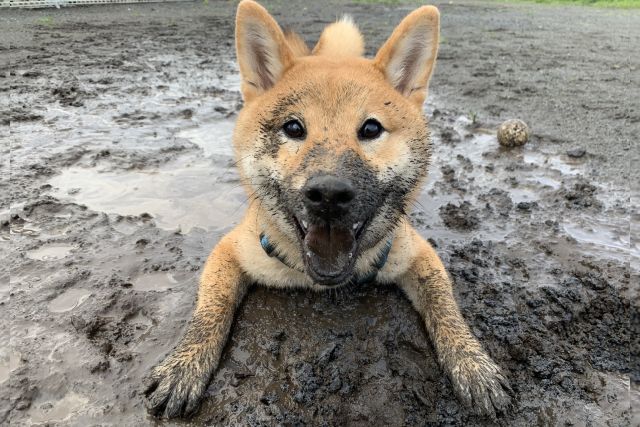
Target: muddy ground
point(117, 180)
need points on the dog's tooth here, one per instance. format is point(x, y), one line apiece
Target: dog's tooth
point(304, 224)
point(350, 255)
point(308, 254)
point(356, 225)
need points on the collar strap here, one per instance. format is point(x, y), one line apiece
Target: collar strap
point(270, 250)
point(377, 265)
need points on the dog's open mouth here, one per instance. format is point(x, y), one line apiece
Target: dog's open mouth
point(329, 249)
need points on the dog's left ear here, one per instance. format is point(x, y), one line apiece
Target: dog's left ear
point(408, 57)
point(263, 52)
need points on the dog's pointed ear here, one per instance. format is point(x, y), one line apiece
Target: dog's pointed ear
point(408, 57)
point(263, 52)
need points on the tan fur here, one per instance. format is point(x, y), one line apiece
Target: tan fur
point(297, 45)
point(334, 91)
point(476, 379)
point(414, 32)
point(259, 31)
point(342, 38)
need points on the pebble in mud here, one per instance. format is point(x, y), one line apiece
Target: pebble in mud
point(576, 153)
point(513, 133)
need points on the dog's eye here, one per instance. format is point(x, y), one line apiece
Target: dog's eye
point(294, 129)
point(371, 129)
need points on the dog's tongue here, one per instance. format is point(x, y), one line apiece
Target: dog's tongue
point(329, 248)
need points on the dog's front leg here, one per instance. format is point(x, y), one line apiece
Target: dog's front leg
point(177, 385)
point(476, 379)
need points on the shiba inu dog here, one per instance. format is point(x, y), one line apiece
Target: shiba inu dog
point(332, 149)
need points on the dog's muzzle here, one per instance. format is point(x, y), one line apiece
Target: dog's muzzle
point(329, 237)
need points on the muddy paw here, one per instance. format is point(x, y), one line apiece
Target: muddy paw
point(176, 387)
point(481, 385)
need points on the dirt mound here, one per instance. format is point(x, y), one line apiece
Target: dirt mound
point(460, 216)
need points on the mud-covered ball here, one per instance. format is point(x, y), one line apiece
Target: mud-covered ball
point(513, 133)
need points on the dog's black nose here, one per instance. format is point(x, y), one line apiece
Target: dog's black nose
point(328, 195)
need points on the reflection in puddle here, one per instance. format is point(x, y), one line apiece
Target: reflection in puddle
point(68, 300)
point(215, 139)
point(51, 252)
point(161, 281)
point(177, 196)
point(193, 191)
point(565, 167)
point(544, 181)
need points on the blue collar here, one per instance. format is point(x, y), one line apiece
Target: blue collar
point(377, 265)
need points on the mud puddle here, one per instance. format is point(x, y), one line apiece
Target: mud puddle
point(161, 281)
point(196, 190)
point(60, 410)
point(471, 172)
point(51, 252)
point(9, 361)
point(609, 238)
point(477, 190)
point(68, 300)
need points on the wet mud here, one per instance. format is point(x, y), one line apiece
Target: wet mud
point(117, 179)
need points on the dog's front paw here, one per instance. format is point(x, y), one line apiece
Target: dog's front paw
point(176, 387)
point(481, 385)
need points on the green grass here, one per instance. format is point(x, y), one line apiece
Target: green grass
point(621, 4)
point(383, 1)
point(46, 21)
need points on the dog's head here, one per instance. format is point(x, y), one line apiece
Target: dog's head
point(333, 146)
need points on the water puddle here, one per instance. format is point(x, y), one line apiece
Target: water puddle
point(214, 138)
point(51, 252)
point(69, 300)
point(64, 350)
point(10, 360)
point(5, 288)
point(5, 368)
point(193, 191)
point(161, 281)
point(141, 324)
point(544, 182)
point(475, 154)
point(127, 227)
point(616, 384)
point(478, 164)
point(610, 238)
point(59, 410)
point(562, 165)
point(24, 229)
point(527, 174)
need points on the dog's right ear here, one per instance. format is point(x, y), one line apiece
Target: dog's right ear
point(263, 52)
